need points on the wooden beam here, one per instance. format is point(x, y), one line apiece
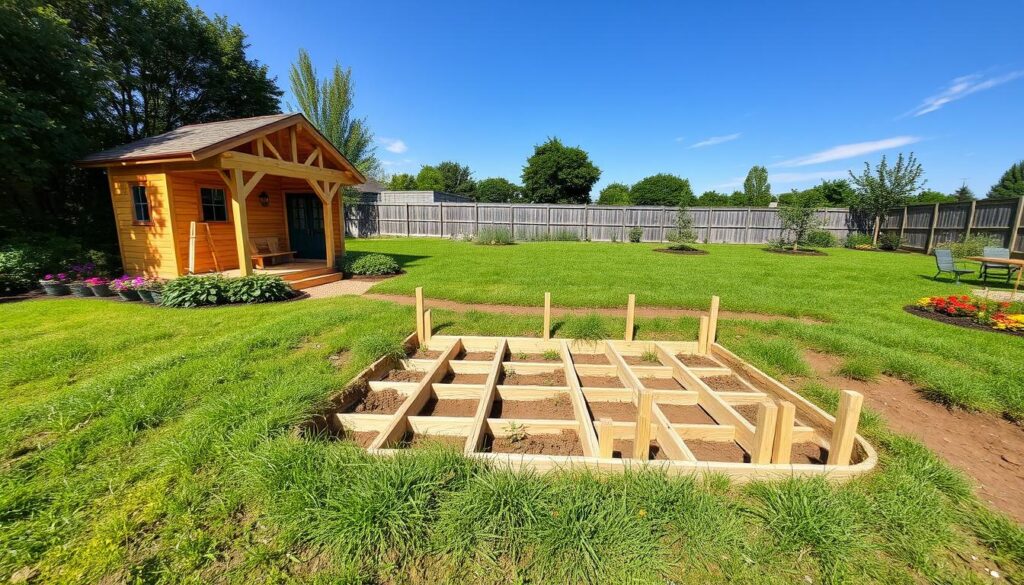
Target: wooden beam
point(547, 313)
point(428, 325)
point(419, 315)
point(845, 430)
point(605, 438)
point(294, 140)
point(253, 163)
point(587, 436)
point(630, 310)
point(240, 218)
point(930, 245)
point(783, 448)
point(270, 146)
point(713, 320)
point(329, 230)
point(642, 436)
point(259, 146)
point(764, 434)
point(192, 248)
point(312, 156)
point(475, 440)
point(251, 183)
point(702, 335)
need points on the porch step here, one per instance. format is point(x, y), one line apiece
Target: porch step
point(304, 274)
point(316, 280)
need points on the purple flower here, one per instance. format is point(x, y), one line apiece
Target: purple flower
point(48, 277)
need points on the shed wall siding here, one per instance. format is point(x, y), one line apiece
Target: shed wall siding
point(145, 249)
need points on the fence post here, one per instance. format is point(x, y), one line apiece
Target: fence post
point(903, 224)
point(586, 222)
point(440, 215)
point(512, 220)
point(549, 220)
point(931, 232)
point(1017, 223)
point(408, 231)
point(746, 232)
point(711, 215)
point(970, 218)
point(476, 219)
point(623, 232)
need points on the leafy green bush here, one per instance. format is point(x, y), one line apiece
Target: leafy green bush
point(257, 288)
point(858, 240)
point(18, 271)
point(636, 234)
point(890, 241)
point(195, 291)
point(494, 236)
point(971, 245)
point(564, 235)
point(821, 239)
point(374, 265)
point(24, 260)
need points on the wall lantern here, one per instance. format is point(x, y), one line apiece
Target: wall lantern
point(264, 199)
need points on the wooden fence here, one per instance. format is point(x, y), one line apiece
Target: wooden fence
point(733, 225)
point(923, 227)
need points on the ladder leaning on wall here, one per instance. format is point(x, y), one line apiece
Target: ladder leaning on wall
point(192, 247)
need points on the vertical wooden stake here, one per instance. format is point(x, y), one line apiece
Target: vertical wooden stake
point(783, 449)
point(605, 438)
point(428, 326)
point(419, 314)
point(845, 429)
point(713, 320)
point(192, 248)
point(547, 315)
point(764, 434)
point(630, 310)
point(642, 437)
point(702, 336)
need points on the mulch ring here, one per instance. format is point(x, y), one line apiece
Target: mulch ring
point(374, 278)
point(791, 252)
point(964, 322)
point(693, 252)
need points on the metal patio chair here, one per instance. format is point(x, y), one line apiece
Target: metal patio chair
point(944, 262)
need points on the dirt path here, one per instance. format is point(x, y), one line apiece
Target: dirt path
point(648, 312)
point(988, 449)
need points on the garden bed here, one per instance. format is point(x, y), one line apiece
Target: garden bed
point(566, 442)
point(693, 252)
point(792, 252)
point(965, 322)
point(548, 408)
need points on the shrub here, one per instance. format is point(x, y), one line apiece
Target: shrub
point(890, 241)
point(564, 235)
point(799, 221)
point(971, 245)
point(858, 240)
point(821, 239)
point(374, 265)
point(636, 234)
point(18, 271)
point(494, 236)
point(257, 288)
point(195, 291)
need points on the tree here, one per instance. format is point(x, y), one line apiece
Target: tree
point(456, 178)
point(713, 199)
point(614, 194)
point(429, 179)
point(837, 193)
point(662, 189)
point(964, 193)
point(799, 219)
point(1011, 184)
point(683, 234)
point(810, 197)
point(328, 104)
point(885, 188)
point(559, 174)
point(738, 199)
point(402, 182)
point(756, 187)
point(929, 196)
point(498, 190)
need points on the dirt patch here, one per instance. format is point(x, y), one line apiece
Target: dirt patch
point(597, 359)
point(964, 322)
point(398, 375)
point(688, 414)
point(361, 438)
point(385, 401)
point(697, 361)
point(425, 354)
point(340, 360)
point(453, 378)
point(564, 443)
point(726, 384)
point(985, 447)
point(414, 440)
point(435, 407)
point(533, 357)
point(808, 453)
point(556, 378)
point(623, 449)
point(600, 382)
point(747, 411)
point(727, 451)
point(638, 360)
point(475, 356)
point(792, 252)
point(622, 411)
point(550, 408)
point(690, 252)
point(661, 383)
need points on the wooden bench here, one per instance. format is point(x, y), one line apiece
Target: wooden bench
point(266, 251)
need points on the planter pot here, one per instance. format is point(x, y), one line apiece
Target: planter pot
point(145, 295)
point(158, 297)
point(80, 289)
point(128, 295)
point(101, 290)
point(55, 289)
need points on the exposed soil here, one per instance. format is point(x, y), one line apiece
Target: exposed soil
point(598, 359)
point(638, 360)
point(987, 448)
point(549, 408)
point(475, 356)
point(564, 443)
point(425, 354)
point(808, 453)
point(689, 414)
point(385, 401)
point(414, 440)
point(340, 360)
point(623, 449)
point(556, 378)
point(727, 383)
point(371, 277)
point(449, 407)
point(533, 357)
point(690, 252)
point(621, 411)
point(697, 361)
point(964, 322)
point(397, 375)
point(362, 438)
point(453, 378)
point(792, 252)
point(661, 383)
point(747, 411)
point(727, 451)
point(600, 382)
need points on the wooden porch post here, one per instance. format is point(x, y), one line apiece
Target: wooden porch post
point(236, 185)
point(329, 229)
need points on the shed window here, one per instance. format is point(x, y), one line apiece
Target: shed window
point(214, 204)
point(140, 203)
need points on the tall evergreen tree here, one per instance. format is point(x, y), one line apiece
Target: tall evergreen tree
point(329, 106)
point(1011, 184)
point(964, 193)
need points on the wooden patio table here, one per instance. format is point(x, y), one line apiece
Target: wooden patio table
point(1007, 261)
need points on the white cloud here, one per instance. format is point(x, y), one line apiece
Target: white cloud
point(680, 138)
point(397, 163)
point(786, 178)
point(844, 151)
point(395, 145)
point(960, 88)
point(716, 140)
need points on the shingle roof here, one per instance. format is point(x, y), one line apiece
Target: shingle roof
point(184, 140)
point(371, 186)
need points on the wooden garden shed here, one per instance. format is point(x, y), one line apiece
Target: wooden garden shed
point(240, 196)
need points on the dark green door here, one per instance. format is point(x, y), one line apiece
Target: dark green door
point(306, 225)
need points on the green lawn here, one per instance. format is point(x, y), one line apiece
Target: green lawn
point(157, 446)
point(859, 294)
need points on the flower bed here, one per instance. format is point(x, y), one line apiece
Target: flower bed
point(972, 312)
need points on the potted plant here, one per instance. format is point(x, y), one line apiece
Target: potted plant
point(156, 288)
point(55, 285)
point(127, 287)
point(143, 290)
point(99, 286)
point(80, 288)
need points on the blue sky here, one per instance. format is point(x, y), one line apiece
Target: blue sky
point(701, 90)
